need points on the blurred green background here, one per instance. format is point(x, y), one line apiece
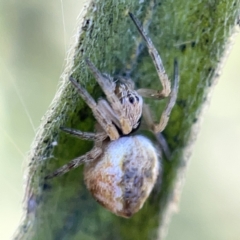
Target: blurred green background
point(34, 38)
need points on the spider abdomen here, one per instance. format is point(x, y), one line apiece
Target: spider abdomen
point(122, 178)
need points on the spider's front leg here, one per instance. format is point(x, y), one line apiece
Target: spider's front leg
point(170, 104)
point(158, 65)
point(158, 128)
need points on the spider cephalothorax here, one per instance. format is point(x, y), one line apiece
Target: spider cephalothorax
point(121, 169)
point(131, 101)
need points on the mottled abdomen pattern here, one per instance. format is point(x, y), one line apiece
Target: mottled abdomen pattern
point(122, 178)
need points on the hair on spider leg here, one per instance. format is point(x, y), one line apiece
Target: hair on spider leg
point(85, 135)
point(122, 168)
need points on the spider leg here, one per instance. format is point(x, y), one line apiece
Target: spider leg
point(171, 102)
point(108, 88)
point(85, 135)
point(89, 156)
point(158, 65)
point(97, 111)
point(158, 128)
point(159, 136)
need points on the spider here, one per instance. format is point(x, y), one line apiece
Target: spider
point(121, 169)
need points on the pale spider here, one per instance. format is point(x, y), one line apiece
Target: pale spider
point(121, 169)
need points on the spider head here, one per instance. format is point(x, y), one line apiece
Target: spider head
point(132, 102)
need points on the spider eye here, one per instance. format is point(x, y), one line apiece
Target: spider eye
point(131, 99)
